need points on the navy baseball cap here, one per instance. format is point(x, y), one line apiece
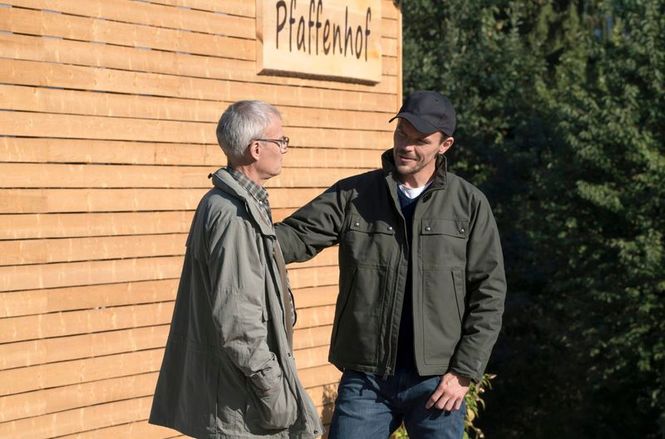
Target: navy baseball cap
point(428, 112)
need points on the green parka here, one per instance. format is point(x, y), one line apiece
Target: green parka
point(228, 370)
point(458, 282)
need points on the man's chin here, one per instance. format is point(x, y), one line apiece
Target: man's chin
point(404, 169)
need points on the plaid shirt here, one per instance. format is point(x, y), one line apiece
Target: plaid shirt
point(257, 192)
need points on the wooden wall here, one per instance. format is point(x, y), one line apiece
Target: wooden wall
point(108, 111)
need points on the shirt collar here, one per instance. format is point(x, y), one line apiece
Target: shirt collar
point(257, 191)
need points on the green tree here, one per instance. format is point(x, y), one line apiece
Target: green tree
point(562, 120)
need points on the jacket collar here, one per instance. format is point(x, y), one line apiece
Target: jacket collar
point(225, 182)
point(440, 176)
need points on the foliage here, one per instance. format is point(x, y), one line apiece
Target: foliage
point(561, 122)
point(474, 402)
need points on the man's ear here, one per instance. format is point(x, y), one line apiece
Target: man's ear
point(446, 145)
point(253, 151)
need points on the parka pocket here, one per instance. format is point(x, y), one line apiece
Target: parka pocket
point(271, 402)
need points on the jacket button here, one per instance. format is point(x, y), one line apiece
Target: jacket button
point(356, 224)
point(390, 227)
point(428, 228)
point(461, 230)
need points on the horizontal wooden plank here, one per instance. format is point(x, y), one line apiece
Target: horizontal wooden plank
point(312, 357)
point(16, 329)
point(149, 14)
point(160, 15)
point(87, 321)
point(314, 317)
point(124, 200)
point(33, 277)
point(314, 277)
point(320, 375)
point(389, 8)
point(52, 350)
point(32, 226)
point(313, 297)
point(41, 150)
point(65, 373)
point(42, 251)
point(103, 32)
point(312, 337)
point(18, 149)
point(29, 175)
point(44, 301)
point(59, 399)
point(47, 376)
point(242, 8)
point(56, 50)
point(35, 73)
point(41, 402)
point(17, 123)
point(45, 150)
point(71, 421)
point(45, 23)
point(16, 278)
point(237, 32)
point(48, 100)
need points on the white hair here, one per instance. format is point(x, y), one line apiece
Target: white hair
point(241, 123)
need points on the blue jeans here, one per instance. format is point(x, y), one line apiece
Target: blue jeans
point(370, 407)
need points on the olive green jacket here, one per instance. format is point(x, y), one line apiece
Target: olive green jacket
point(458, 278)
point(228, 370)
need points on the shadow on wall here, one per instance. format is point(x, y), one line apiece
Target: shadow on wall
point(329, 396)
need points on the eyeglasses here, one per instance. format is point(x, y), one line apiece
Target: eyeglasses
point(282, 143)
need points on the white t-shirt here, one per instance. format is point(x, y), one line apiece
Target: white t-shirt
point(412, 192)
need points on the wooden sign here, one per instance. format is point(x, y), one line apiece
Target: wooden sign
point(323, 38)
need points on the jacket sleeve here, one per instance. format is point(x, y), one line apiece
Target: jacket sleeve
point(485, 294)
point(238, 284)
point(314, 227)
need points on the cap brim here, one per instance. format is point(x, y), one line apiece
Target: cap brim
point(421, 125)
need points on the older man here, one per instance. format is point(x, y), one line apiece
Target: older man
point(421, 281)
point(228, 369)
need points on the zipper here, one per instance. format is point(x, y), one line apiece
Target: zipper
point(392, 346)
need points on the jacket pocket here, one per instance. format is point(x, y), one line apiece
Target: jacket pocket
point(346, 283)
point(442, 314)
point(443, 242)
point(271, 402)
point(357, 327)
point(368, 242)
